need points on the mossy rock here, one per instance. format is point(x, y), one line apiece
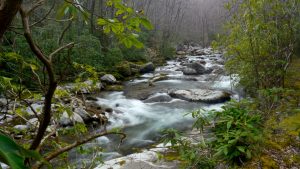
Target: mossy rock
point(114, 88)
point(124, 69)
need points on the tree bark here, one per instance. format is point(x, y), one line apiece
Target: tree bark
point(8, 10)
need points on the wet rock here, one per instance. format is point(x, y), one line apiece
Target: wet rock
point(189, 71)
point(159, 97)
point(109, 110)
point(200, 69)
point(147, 68)
point(201, 95)
point(91, 98)
point(108, 78)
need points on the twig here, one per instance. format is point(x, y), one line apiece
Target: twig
point(32, 109)
point(45, 17)
point(36, 5)
point(69, 45)
point(76, 144)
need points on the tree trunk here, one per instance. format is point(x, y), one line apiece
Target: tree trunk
point(8, 10)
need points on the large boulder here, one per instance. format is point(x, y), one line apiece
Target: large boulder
point(147, 68)
point(159, 97)
point(195, 68)
point(201, 95)
point(108, 78)
point(86, 117)
point(200, 69)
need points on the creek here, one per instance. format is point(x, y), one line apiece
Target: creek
point(142, 117)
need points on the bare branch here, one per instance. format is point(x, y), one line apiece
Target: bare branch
point(69, 45)
point(78, 143)
point(45, 17)
point(35, 6)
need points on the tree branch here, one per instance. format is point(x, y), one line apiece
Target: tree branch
point(69, 45)
point(46, 116)
point(53, 155)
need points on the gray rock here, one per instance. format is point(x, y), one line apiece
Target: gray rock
point(147, 68)
point(69, 120)
point(33, 123)
point(108, 78)
point(86, 117)
point(201, 95)
point(159, 97)
point(21, 128)
point(189, 71)
point(200, 69)
point(181, 53)
point(146, 160)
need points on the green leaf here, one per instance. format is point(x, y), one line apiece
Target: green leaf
point(101, 21)
point(13, 154)
point(241, 149)
point(146, 23)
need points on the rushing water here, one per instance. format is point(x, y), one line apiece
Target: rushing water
point(142, 122)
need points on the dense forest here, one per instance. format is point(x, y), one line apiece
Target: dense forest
point(131, 84)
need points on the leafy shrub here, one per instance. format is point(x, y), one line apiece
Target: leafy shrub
point(238, 133)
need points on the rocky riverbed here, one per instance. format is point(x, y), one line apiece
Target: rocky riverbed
point(158, 99)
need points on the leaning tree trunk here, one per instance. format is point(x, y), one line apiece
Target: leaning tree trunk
point(8, 10)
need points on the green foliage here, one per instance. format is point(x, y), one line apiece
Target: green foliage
point(238, 133)
point(260, 41)
point(237, 136)
point(125, 24)
point(167, 51)
point(14, 155)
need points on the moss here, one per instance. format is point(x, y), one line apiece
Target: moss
point(171, 156)
point(115, 88)
point(122, 162)
point(123, 69)
point(268, 163)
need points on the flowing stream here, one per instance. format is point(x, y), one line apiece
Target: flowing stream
point(143, 121)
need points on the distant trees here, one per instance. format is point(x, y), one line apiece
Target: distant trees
point(196, 20)
point(260, 41)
